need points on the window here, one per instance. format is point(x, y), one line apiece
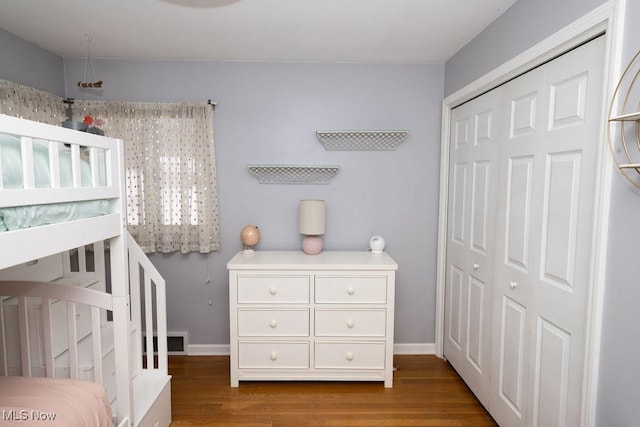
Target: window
point(170, 159)
point(171, 188)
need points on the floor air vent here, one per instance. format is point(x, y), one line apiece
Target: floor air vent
point(176, 343)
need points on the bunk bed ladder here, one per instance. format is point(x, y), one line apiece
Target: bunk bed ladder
point(154, 314)
point(151, 388)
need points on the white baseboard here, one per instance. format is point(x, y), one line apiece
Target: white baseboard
point(208, 350)
point(223, 349)
point(423, 348)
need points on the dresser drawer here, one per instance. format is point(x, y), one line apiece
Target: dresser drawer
point(273, 355)
point(253, 322)
point(350, 355)
point(273, 289)
point(357, 323)
point(351, 289)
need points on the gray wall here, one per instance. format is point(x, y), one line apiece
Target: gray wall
point(268, 113)
point(522, 26)
point(618, 391)
point(23, 62)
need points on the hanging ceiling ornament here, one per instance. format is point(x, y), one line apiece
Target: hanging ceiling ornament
point(86, 84)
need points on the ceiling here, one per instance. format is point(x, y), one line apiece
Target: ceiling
point(252, 30)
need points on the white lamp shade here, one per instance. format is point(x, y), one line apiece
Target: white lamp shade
point(312, 217)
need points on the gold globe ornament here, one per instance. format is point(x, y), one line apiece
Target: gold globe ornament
point(249, 236)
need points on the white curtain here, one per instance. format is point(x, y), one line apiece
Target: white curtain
point(170, 162)
point(171, 185)
point(30, 103)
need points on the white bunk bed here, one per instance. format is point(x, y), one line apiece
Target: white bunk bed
point(57, 318)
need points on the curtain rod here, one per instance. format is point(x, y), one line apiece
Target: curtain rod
point(70, 102)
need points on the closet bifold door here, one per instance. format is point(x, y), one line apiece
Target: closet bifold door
point(520, 233)
point(546, 196)
point(519, 224)
point(471, 244)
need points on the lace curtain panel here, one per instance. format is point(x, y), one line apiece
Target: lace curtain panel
point(30, 103)
point(170, 163)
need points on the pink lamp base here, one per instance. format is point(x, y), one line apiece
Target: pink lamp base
point(312, 245)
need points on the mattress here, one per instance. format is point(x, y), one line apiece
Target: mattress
point(13, 218)
point(53, 402)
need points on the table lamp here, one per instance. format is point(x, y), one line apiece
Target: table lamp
point(311, 218)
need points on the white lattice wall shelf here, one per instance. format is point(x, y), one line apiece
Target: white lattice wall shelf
point(361, 140)
point(291, 174)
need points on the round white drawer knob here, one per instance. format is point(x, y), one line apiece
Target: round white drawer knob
point(350, 290)
point(349, 356)
point(273, 290)
point(476, 266)
point(513, 285)
point(273, 323)
point(350, 323)
point(273, 355)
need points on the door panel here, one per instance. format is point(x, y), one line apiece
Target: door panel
point(562, 193)
point(484, 126)
point(476, 308)
point(520, 191)
point(462, 133)
point(511, 371)
point(480, 206)
point(523, 115)
point(518, 205)
point(459, 203)
point(568, 100)
point(471, 242)
point(456, 283)
point(552, 375)
point(573, 87)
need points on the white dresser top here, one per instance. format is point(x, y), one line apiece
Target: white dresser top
point(326, 260)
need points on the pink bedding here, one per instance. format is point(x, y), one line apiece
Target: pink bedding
point(52, 402)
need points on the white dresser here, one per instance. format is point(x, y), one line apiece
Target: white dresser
point(311, 317)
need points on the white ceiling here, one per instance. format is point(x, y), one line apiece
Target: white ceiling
point(253, 30)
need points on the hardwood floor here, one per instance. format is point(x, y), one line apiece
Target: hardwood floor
point(426, 392)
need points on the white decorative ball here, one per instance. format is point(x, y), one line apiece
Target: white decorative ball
point(250, 236)
point(377, 245)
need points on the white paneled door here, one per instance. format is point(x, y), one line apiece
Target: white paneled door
point(471, 241)
point(515, 316)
